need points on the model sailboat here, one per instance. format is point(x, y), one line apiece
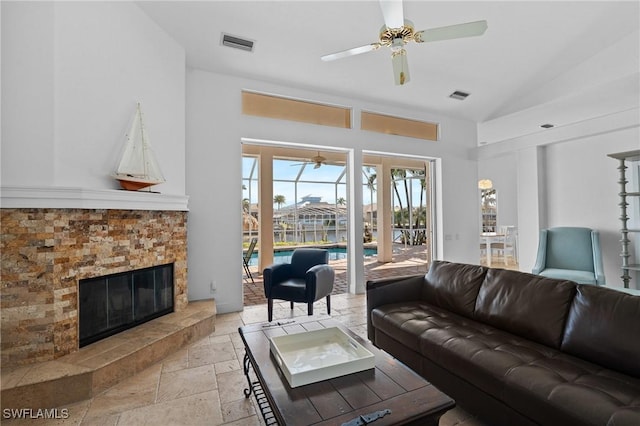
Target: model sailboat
point(138, 167)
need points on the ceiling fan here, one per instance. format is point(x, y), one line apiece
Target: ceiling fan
point(398, 31)
point(317, 161)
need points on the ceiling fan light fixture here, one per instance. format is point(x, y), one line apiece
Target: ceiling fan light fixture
point(400, 66)
point(485, 184)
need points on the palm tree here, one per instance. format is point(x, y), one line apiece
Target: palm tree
point(340, 202)
point(371, 185)
point(399, 173)
point(279, 200)
point(371, 179)
point(420, 236)
point(395, 173)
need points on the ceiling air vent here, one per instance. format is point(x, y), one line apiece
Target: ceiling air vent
point(237, 42)
point(459, 95)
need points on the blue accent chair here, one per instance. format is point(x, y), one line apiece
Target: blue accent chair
point(306, 279)
point(570, 253)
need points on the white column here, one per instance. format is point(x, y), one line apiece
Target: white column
point(532, 197)
point(355, 248)
point(265, 207)
point(385, 213)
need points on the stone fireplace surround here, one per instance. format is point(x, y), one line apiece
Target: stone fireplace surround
point(54, 237)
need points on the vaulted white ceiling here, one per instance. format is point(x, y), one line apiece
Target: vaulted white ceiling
point(538, 62)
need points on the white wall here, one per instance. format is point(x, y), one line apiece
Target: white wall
point(582, 190)
point(215, 127)
point(72, 73)
point(566, 179)
point(27, 93)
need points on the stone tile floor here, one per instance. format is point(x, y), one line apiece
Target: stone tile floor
point(202, 384)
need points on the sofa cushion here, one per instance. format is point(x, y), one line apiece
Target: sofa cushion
point(598, 329)
point(406, 321)
point(524, 304)
point(542, 383)
point(567, 390)
point(453, 286)
point(479, 353)
point(629, 416)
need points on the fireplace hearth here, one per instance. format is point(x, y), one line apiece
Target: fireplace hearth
point(113, 303)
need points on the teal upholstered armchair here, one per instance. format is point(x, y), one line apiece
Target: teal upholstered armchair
point(570, 253)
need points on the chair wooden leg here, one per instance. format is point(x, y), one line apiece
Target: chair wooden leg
point(270, 309)
point(329, 305)
point(310, 308)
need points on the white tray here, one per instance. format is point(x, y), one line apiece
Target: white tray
point(318, 355)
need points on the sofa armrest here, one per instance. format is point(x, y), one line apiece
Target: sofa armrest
point(391, 290)
point(275, 274)
point(319, 280)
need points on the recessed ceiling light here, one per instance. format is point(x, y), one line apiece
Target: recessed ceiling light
point(459, 95)
point(547, 126)
point(236, 42)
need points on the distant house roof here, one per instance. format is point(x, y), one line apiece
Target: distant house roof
point(311, 206)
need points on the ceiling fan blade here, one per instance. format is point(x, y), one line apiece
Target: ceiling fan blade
point(470, 29)
point(351, 52)
point(393, 13)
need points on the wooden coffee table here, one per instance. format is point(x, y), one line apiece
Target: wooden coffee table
point(342, 400)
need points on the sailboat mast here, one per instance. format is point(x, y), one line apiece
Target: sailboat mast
point(144, 143)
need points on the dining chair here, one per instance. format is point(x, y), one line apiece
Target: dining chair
point(506, 245)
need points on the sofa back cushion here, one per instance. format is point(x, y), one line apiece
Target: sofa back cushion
point(604, 327)
point(527, 305)
point(453, 286)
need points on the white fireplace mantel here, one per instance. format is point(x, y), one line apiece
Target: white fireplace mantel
point(83, 198)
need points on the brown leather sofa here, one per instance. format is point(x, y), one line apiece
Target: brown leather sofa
point(514, 348)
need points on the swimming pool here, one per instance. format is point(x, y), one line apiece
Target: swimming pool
point(335, 253)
